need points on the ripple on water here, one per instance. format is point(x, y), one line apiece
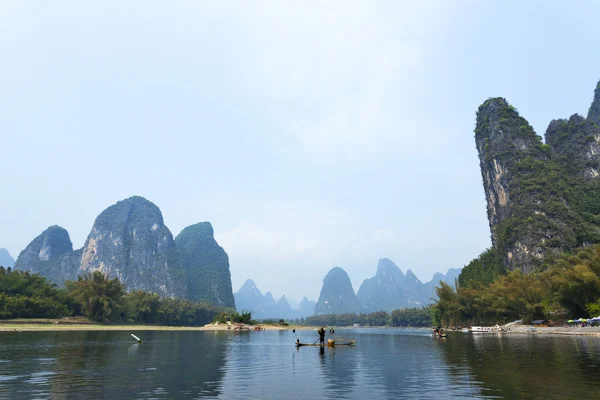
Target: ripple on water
point(386, 364)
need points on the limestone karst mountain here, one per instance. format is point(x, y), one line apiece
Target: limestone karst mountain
point(390, 289)
point(337, 295)
point(51, 255)
point(129, 240)
point(542, 198)
point(205, 264)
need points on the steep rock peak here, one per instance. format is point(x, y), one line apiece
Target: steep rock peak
point(576, 142)
point(337, 295)
point(133, 209)
point(503, 138)
point(336, 272)
point(53, 242)
point(248, 286)
point(51, 255)
point(203, 229)
point(130, 241)
point(385, 265)
point(438, 276)
point(283, 301)
point(206, 265)
point(594, 111)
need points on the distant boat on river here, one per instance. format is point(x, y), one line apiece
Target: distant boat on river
point(487, 329)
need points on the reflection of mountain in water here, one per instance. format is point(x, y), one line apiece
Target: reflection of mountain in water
point(167, 364)
point(339, 367)
point(519, 366)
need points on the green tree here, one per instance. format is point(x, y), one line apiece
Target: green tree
point(141, 307)
point(100, 298)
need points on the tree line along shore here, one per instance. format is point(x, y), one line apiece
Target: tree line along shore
point(95, 301)
point(567, 288)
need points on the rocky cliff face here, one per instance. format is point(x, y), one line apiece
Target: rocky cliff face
point(384, 291)
point(130, 241)
point(541, 198)
point(6, 260)
point(503, 139)
point(575, 144)
point(337, 295)
point(51, 255)
point(205, 264)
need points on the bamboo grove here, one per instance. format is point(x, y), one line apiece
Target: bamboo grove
point(568, 287)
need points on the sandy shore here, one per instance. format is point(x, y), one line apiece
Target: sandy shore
point(559, 330)
point(38, 325)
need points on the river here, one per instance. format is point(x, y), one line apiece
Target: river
point(385, 363)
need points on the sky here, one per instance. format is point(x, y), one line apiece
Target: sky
point(310, 134)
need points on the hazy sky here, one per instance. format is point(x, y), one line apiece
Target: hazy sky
point(311, 134)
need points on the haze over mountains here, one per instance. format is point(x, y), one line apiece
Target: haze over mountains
point(388, 290)
point(129, 240)
point(250, 298)
point(5, 259)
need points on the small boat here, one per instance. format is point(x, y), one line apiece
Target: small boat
point(332, 343)
point(487, 329)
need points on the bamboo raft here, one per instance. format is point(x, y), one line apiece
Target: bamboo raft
point(330, 343)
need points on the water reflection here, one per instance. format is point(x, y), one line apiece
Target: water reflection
point(386, 363)
point(73, 365)
point(521, 366)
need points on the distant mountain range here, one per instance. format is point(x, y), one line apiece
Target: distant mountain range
point(388, 290)
point(250, 298)
point(6, 260)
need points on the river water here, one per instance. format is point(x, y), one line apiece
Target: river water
point(386, 363)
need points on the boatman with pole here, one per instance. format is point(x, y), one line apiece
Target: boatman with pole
point(321, 335)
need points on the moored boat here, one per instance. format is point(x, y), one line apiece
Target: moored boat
point(486, 329)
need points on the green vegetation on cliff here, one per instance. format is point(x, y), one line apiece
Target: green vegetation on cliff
point(206, 265)
point(570, 288)
point(542, 199)
point(543, 205)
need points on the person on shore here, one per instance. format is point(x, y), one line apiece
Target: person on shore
point(321, 335)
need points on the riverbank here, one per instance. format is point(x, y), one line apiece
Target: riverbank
point(82, 324)
point(555, 330)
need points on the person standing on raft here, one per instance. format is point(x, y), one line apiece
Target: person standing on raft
point(321, 335)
